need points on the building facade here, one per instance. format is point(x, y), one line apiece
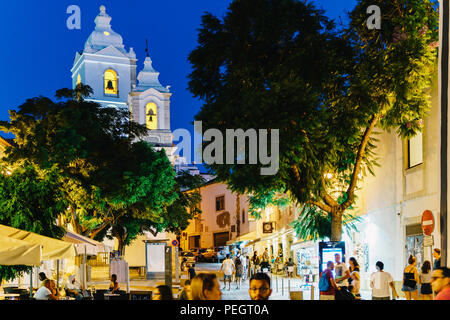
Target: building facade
point(224, 218)
point(110, 70)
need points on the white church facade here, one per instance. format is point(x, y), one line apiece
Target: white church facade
point(110, 70)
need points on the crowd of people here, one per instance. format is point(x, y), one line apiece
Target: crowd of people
point(345, 283)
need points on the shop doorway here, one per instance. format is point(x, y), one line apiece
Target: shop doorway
point(220, 239)
point(194, 242)
point(414, 244)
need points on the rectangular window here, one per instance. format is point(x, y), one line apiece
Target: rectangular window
point(415, 150)
point(243, 216)
point(220, 203)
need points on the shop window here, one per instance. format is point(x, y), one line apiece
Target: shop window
point(220, 203)
point(415, 150)
point(151, 118)
point(110, 82)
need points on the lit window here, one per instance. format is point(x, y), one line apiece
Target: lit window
point(151, 118)
point(78, 79)
point(415, 150)
point(110, 78)
point(220, 203)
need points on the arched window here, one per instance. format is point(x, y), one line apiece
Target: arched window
point(110, 79)
point(78, 79)
point(151, 116)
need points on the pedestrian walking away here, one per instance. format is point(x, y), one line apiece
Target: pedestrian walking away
point(228, 269)
point(380, 282)
point(426, 293)
point(410, 279)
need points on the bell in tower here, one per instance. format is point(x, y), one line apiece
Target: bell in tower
point(110, 85)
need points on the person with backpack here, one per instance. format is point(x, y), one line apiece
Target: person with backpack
point(327, 285)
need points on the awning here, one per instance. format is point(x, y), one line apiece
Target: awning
point(17, 252)
point(52, 249)
point(85, 245)
point(246, 237)
point(251, 243)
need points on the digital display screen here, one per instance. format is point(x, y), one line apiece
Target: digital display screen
point(328, 255)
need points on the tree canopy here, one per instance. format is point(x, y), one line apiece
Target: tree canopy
point(102, 165)
point(282, 64)
point(31, 202)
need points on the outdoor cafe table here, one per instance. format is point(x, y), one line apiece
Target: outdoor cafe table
point(107, 295)
point(10, 296)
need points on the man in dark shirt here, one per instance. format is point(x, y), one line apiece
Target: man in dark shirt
point(191, 271)
point(437, 256)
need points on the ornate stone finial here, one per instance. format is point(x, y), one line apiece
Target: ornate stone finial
point(102, 9)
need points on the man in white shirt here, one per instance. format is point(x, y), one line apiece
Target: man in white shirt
point(342, 272)
point(45, 292)
point(380, 282)
point(228, 269)
point(73, 288)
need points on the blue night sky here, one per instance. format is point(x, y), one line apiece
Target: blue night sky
point(38, 50)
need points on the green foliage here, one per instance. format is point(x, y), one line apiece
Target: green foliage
point(173, 218)
point(30, 202)
point(314, 224)
point(282, 64)
point(98, 157)
point(261, 200)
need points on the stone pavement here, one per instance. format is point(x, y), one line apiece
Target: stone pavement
point(281, 286)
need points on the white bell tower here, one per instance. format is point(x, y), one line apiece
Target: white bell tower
point(105, 65)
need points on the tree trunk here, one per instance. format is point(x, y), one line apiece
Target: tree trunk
point(336, 224)
point(121, 246)
point(238, 217)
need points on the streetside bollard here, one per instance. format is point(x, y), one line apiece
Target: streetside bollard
point(282, 286)
point(276, 280)
point(289, 286)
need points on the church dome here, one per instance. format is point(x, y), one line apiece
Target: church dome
point(103, 36)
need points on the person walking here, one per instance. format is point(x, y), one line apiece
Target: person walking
point(354, 280)
point(327, 285)
point(410, 279)
point(426, 293)
point(380, 282)
point(239, 272)
point(228, 269)
point(191, 271)
point(440, 282)
point(437, 257)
